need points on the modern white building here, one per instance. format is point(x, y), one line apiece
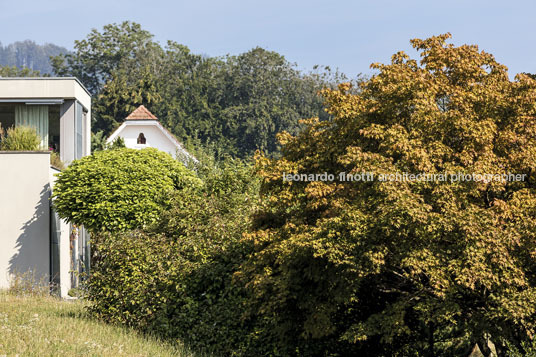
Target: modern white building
point(32, 237)
point(141, 129)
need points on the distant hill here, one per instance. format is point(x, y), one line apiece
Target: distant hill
point(29, 54)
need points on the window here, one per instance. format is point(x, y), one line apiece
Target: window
point(141, 139)
point(34, 116)
point(78, 132)
point(7, 115)
point(54, 127)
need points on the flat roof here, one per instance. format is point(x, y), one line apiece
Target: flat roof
point(40, 88)
point(45, 79)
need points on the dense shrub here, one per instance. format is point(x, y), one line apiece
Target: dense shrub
point(176, 278)
point(117, 190)
point(20, 138)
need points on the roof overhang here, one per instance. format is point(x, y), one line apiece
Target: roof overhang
point(34, 101)
point(42, 90)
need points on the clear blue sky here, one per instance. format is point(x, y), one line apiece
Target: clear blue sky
point(348, 35)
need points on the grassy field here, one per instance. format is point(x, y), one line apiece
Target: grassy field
point(44, 326)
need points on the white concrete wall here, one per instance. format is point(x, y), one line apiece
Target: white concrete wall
point(67, 132)
point(24, 214)
point(65, 249)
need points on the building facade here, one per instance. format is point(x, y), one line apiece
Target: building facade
point(33, 240)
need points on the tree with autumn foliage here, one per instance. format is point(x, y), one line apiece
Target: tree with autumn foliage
point(404, 268)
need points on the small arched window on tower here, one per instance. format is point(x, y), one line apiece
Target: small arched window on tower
point(141, 139)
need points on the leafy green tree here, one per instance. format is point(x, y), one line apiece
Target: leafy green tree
point(236, 104)
point(189, 88)
point(101, 53)
point(407, 267)
point(12, 71)
point(262, 94)
point(118, 190)
point(98, 141)
point(119, 67)
point(118, 143)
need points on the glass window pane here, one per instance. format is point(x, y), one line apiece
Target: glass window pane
point(79, 138)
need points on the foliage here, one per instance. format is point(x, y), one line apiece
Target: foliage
point(261, 94)
point(333, 268)
point(76, 292)
point(100, 54)
point(118, 143)
point(527, 349)
point(404, 268)
point(236, 103)
point(20, 138)
point(117, 190)
point(188, 88)
point(98, 141)
point(12, 71)
point(175, 279)
point(56, 161)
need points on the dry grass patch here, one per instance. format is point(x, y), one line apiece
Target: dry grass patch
point(45, 326)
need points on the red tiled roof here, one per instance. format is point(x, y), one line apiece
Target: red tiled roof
point(141, 113)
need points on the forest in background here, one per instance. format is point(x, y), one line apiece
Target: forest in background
point(28, 54)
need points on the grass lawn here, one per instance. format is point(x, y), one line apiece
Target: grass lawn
point(44, 326)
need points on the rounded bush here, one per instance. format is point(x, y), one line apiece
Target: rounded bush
point(118, 190)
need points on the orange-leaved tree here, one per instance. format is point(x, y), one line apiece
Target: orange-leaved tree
point(405, 266)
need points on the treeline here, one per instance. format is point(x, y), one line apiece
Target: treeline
point(30, 55)
point(234, 104)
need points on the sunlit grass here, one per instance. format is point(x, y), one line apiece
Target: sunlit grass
point(45, 326)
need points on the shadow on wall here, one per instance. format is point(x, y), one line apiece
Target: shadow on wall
point(31, 259)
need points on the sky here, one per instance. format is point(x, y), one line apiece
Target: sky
point(348, 35)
